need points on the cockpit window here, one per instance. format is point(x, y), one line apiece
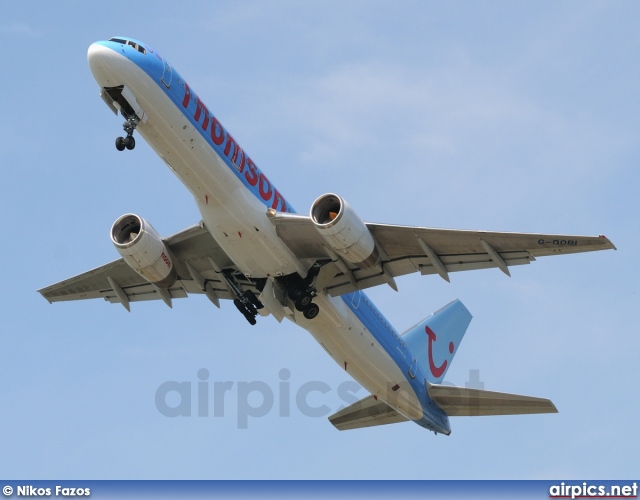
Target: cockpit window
point(139, 48)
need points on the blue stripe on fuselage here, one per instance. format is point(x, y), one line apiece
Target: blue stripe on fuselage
point(187, 101)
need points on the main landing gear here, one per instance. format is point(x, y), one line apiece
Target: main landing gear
point(298, 290)
point(246, 301)
point(301, 291)
point(248, 304)
point(128, 142)
point(302, 299)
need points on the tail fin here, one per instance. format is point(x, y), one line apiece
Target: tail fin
point(435, 340)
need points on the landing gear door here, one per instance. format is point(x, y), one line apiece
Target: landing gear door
point(133, 105)
point(109, 100)
point(272, 297)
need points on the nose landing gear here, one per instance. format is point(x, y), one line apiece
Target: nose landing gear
point(125, 142)
point(128, 142)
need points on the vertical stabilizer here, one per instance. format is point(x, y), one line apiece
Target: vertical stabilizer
point(435, 340)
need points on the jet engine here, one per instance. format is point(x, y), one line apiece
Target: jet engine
point(143, 250)
point(344, 231)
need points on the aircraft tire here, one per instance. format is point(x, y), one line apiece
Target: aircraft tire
point(303, 301)
point(253, 299)
point(311, 311)
point(120, 144)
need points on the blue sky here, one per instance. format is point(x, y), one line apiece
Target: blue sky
point(508, 116)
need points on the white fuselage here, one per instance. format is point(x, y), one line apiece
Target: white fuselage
point(238, 222)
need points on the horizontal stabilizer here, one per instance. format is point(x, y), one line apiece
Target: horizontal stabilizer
point(463, 402)
point(365, 413)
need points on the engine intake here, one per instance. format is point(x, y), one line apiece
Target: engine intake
point(344, 231)
point(143, 250)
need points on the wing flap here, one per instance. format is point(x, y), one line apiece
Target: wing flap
point(367, 412)
point(146, 291)
point(367, 278)
point(464, 402)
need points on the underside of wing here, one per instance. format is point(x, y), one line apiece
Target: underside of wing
point(198, 261)
point(405, 249)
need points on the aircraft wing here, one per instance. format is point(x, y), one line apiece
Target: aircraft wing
point(406, 249)
point(116, 282)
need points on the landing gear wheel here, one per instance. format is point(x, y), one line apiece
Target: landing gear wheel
point(250, 309)
point(253, 299)
point(129, 142)
point(120, 144)
point(311, 311)
point(249, 315)
point(239, 305)
point(303, 300)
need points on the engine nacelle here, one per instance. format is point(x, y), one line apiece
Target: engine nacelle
point(143, 250)
point(344, 231)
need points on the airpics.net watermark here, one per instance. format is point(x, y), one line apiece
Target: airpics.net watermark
point(256, 399)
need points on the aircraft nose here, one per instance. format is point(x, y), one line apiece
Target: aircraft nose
point(97, 57)
point(101, 60)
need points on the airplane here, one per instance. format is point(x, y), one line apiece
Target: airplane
point(251, 247)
